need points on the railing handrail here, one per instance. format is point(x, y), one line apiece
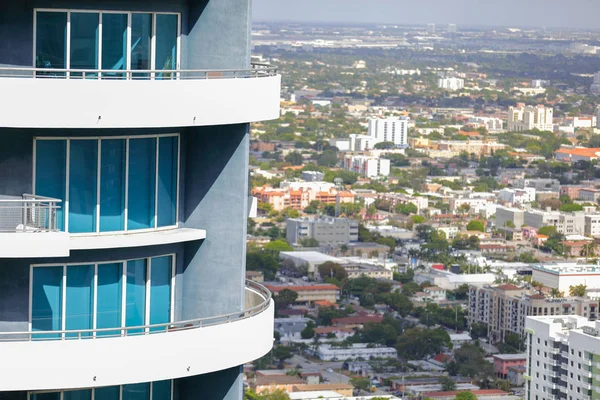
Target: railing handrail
point(256, 70)
point(147, 329)
point(31, 198)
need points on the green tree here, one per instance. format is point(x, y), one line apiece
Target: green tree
point(448, 384)
point(465, 396)
point(309, 242)
point(384, 145)
point(588, 250)
point(406, 209)
point(313, 207)
point(277, 246)
point(285, 298)
point(418, 343)
point(332, 270)
point(276, 395)
point(577, 290)
point(547, 230)
point(360, 383)
point(571, 207)
point(262, 261)
point(476, 225)
point(282, 353)
point(328, 158)
point(309, 331)
point(294, 158)
point(290, 212)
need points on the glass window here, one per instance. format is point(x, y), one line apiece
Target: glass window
point(167, 181)
point(166, 43)
point(141, 42)
point(108, 314)
point(83, 178)
point(78, 395)
point(112, 185)
point(160, 290)
point(142, 183)
point(79, 311)
point(84, 42)
point(161, 390)
point(137, 391)
point(46, 305)
point(107, 393)
point(135, 308)
point(51, 40)
point(50, 172)
point(114, 43)
point(46, 396)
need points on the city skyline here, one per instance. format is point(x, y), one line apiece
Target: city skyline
point(533, 13)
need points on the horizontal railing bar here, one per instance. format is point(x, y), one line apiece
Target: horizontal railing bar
point(148, 329)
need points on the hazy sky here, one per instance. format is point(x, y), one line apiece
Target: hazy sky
point(550, 13)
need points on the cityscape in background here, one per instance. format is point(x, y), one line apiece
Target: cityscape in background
point(425, 212)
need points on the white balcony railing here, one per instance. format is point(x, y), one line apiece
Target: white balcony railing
point(28, 214)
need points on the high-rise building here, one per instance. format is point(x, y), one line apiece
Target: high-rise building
point(523, 118)
point(562, 357)
point(124, 198)
point(595, 87)
point(431, 28)
point(393, 130)
point(452, 28)
point(451, 83)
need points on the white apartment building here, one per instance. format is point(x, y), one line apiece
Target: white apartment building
point(562, 275)
point(367, 166)
point(327, 352)
point(389, 130)
point(504, 215)
point(449, 231)
point(361, 142)
point(592, 225)
point(595, 87)
point(475, 204)
point(451, 84)
point(562, 357)
point(492, 124)
point(517, 196)
point(523, 118)
point(539, 218)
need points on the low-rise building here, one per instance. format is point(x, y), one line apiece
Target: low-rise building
point(509, 217)
point(357, 270)
point(328, 352)
point(574, 154)
point(589, 194)
point(357, 321)
point(311, 259)
point(326, 230)
point(502, 362)
point(562, 275)
point(309, 293)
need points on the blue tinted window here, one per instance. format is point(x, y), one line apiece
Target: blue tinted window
point(112, 185)
point(138, 391)
point(78, 395)
point(83, 185)
point(135, 311)
point(167, 180)
point(142, 183)
point(84, 42)
point(166, 43)
point(108, 314)
point(50, 172)
point(107, 393)
point(79, 311)
point(114, 43)
point(160, 290)
point(46, 396)
point(46, 306)
point(51, 40)
point(161, 390)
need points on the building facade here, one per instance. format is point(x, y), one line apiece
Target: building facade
point(393, 130)
point(325, 230)
point(451, 84)
point(524, 118)
point(367, 166)
point(124, 199)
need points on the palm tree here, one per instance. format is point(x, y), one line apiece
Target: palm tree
point(556, 293)
point(588, 250)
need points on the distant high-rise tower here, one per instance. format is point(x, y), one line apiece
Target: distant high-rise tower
point(595, 88)
point(452, 28)
point(430, 28)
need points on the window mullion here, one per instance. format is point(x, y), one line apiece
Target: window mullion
point(128, 52)
point(148, 285)
point(95, 305)
point(68, 49)
point(98, 177)
point(64, 301)
point(99, 45)
point(123, 296)
point(156, 183)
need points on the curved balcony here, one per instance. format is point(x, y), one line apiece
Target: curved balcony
point(68, 98)
point(74, 359)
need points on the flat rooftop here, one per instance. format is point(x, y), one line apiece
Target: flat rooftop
point(310, 256)
point(567, 268)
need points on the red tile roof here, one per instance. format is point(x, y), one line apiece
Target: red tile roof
point(306, 288)
point(508, 286)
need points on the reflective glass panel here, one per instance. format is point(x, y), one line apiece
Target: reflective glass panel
point(110, 295)
point(79, 312)
point(135, 308)
point(107, 393)
point(137, 391)
point(166, 44)
point(51, 40)
point(142, 183)
point(50, 173)
point(83, 186)
point(167, 181)
point(112, 185)
point(78, 395)
point(46, 396)
point(141, 39)
point(160, 290)
point(84, 42)
point(161, 390)
point(46, 299)
point(114, 43)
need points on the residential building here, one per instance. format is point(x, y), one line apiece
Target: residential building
point(589, 194)
point(343, 391)
point(326, 352)
point(571, 190)
point(492, 124)
point(592, 225)
point(361, 249)
point(574, 154)
point(449, 230)
point(502, 362)
point(313, 176)
point(310, 259)
point(270, 383)
point(299, 195)
point(367, 166)
point(421, 202)
point(539, 218)
point(517, 196)
point(308, 294)
point(357, 321)
point(524, 118)
point(361, 142)
point(595, 87)
point(562, 275)
point(357, 270)
point(515, 375)
point(539, 184)
point(290, 328)
point(328, 231)
point(504, 308)
point(451, 83)
point(482, 394)
point(562, 355)
point(340, 333)
point(393, 130)
point(123, 270)
point(506, 217)
point(255, 276)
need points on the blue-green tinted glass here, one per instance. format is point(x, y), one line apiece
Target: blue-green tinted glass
point(110, 294)
point(112, 185)
point(107, 393)
point(84, 42)
point(137, 391)
point(166, 44)
point(142, 183)
point(78, 395)
point(161, 390)
point(114, 43)
point(79, 312)
point(160, 290)
point(46, 299)
point(167, 181)
point(46, 396)
point(50, 172)
point(83, 178)
point(51, 40)
point(135, 308)
point(141, 39)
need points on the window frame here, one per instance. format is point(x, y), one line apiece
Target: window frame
point(93, 390)
point(123, 262)
point(129, 14)
point(127, 138)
